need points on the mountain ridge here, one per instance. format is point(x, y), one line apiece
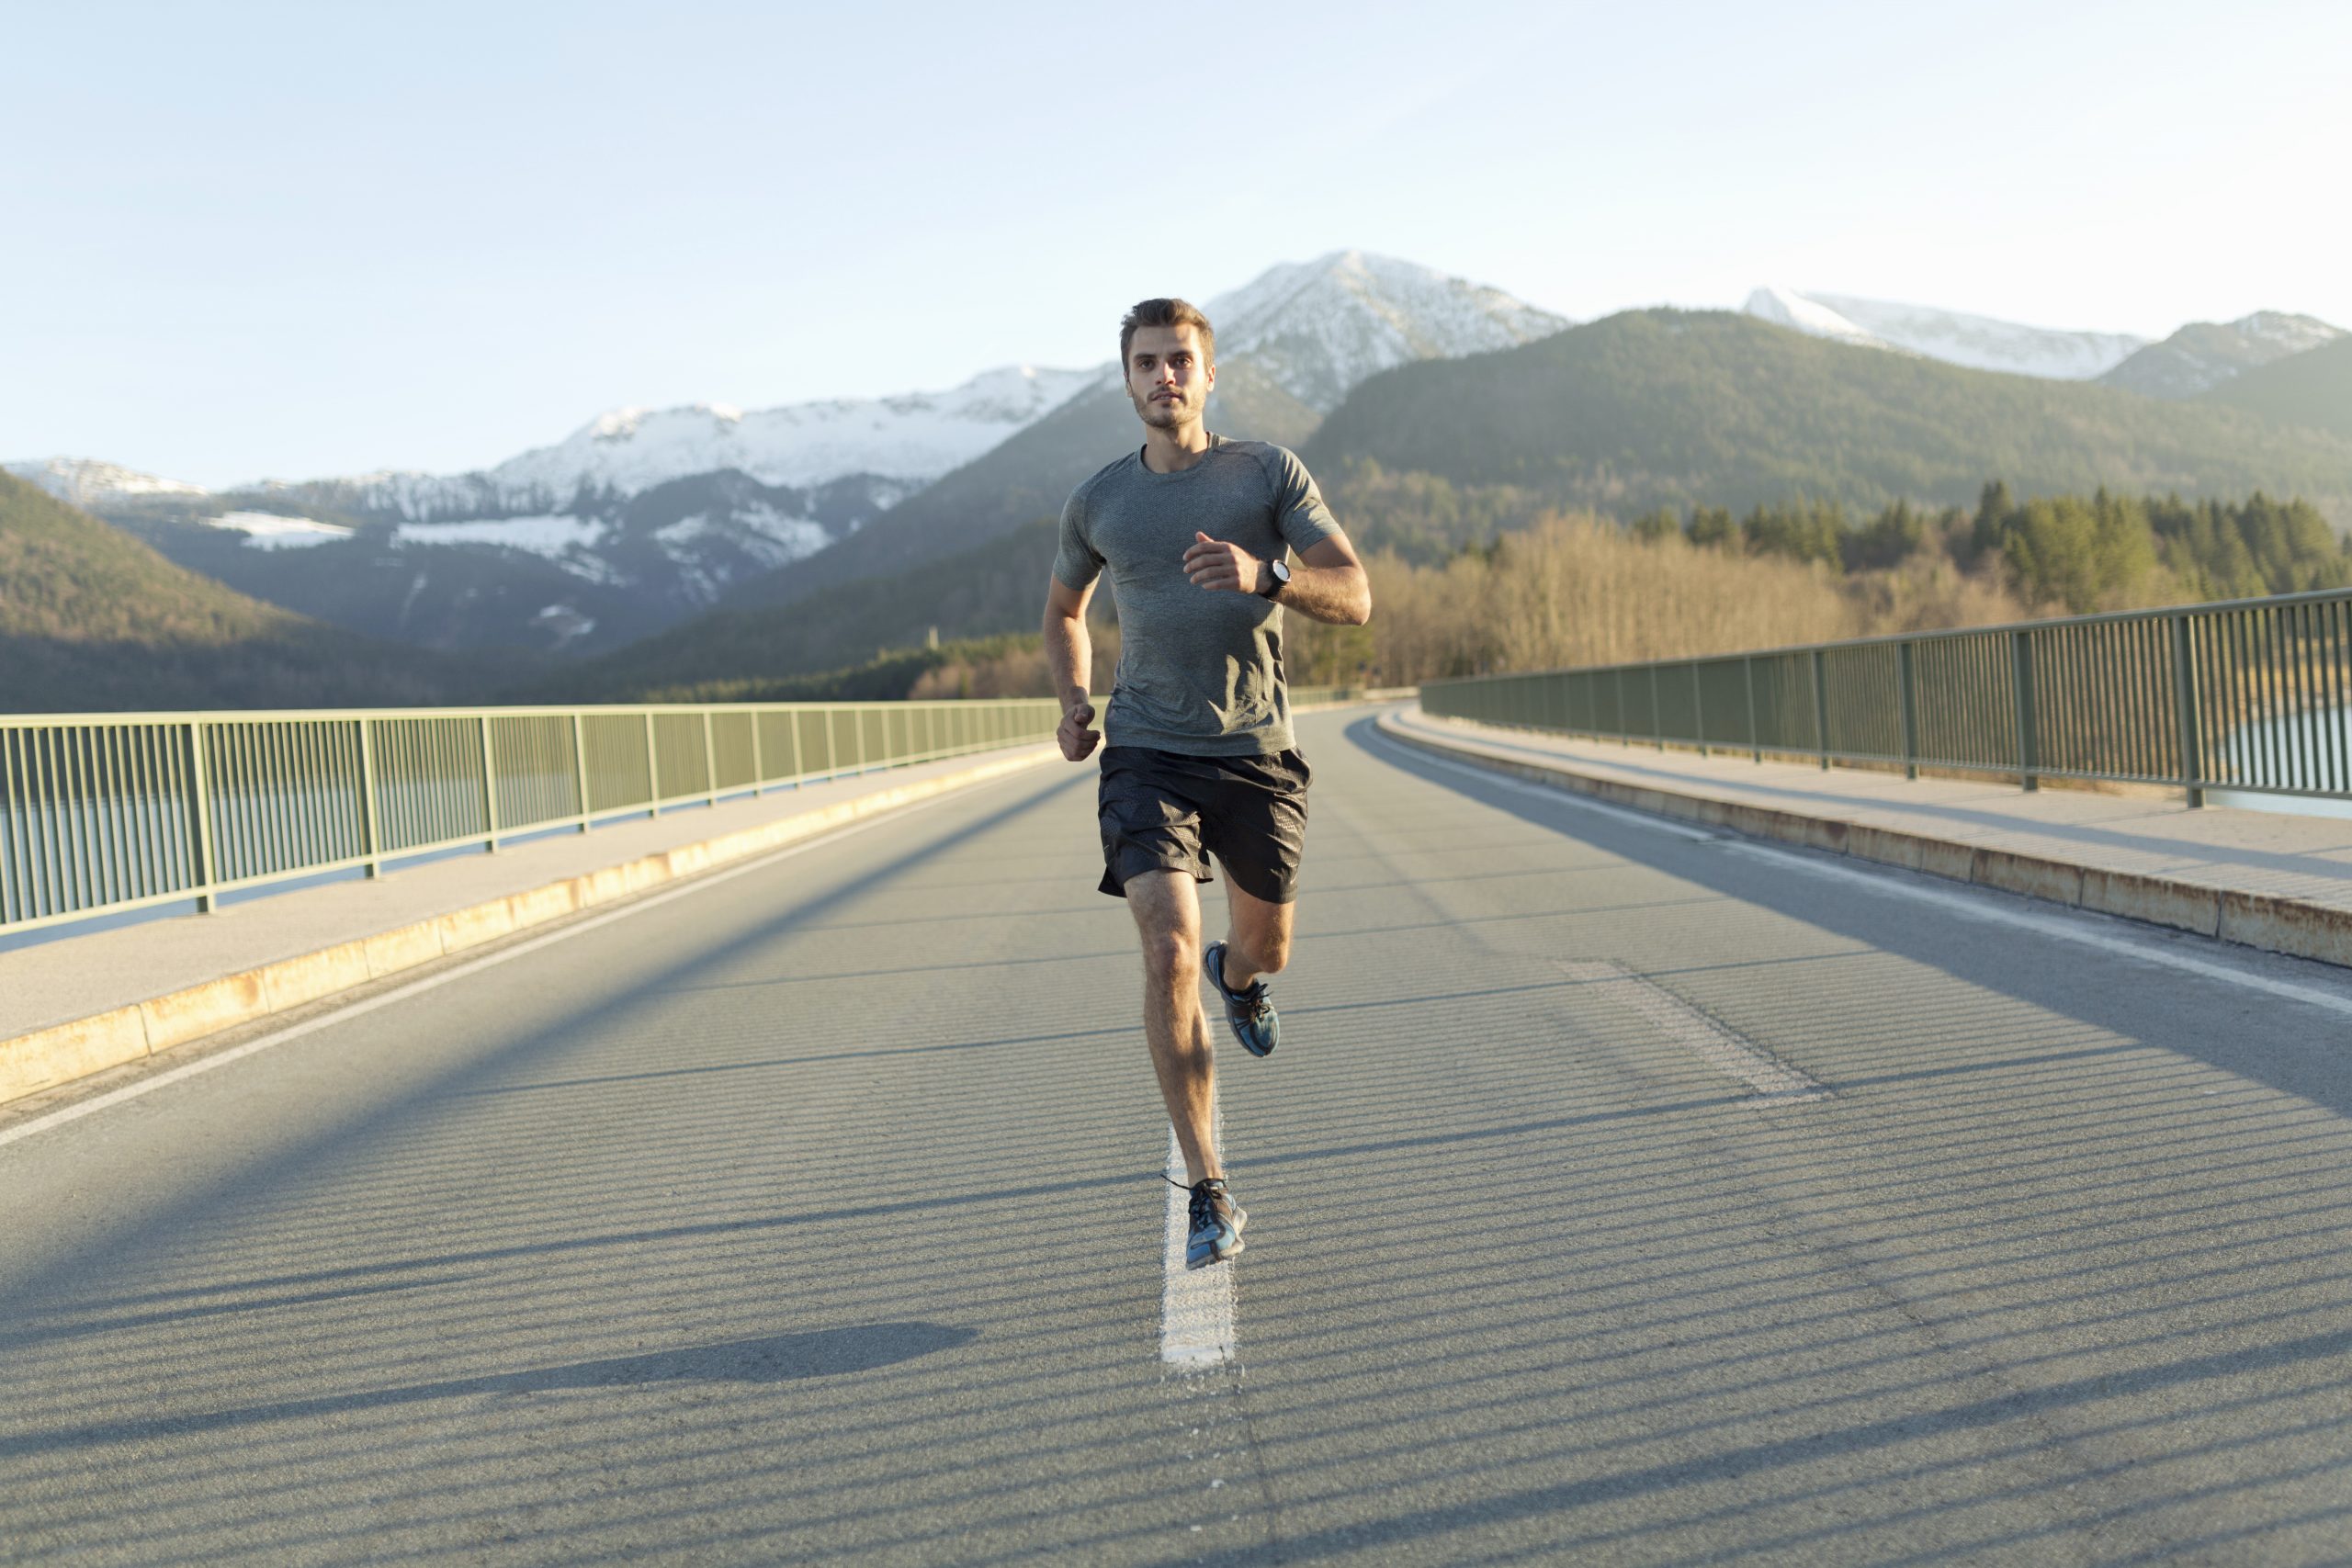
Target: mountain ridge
point(1291, 344)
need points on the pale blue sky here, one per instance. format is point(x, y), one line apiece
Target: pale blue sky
point(238, 240)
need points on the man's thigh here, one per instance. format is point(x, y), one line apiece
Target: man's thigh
point(1255, 825)
point(1150, 815)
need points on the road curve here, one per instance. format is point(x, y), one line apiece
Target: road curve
point(1621, 1193)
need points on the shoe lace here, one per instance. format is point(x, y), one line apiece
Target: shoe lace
point(1202, 1210)
point(1253, 997)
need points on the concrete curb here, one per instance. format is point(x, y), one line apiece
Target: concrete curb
point(2272, 922)
point(61, 1053)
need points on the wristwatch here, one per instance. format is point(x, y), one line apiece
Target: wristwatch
point(1277, 579)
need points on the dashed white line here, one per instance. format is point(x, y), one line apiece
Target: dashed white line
point(1195, 1304)
point(1774, 1081)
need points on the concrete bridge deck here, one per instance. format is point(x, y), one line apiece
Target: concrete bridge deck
point(1624, 1191)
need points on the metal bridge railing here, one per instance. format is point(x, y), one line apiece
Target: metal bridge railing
point(102, 813)
point(2247, 696)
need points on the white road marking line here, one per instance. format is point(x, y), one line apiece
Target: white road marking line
point(1775, 1082)
point(1195, 1304)
point(1622, 813)
point(75, 1112)
point(1976, 905)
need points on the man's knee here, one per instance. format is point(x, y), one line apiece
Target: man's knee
point(1170, 950)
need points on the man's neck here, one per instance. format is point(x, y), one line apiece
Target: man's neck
point(1172, 450)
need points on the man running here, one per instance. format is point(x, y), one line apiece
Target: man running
point(1194, 530)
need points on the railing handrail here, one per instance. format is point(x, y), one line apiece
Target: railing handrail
point(541, 710)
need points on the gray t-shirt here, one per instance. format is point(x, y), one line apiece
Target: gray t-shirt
point(1200, 671)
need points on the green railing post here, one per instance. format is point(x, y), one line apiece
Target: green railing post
point(799, 771)
point(1657, 725)
point(489, 788)
point(1910, 711)
point(368, 795)
point(709, 763)
point(580, 766)
point(1821, 706)
point(205, 866)
point(2184, 680)
point(1625, 721)
point(1755, 740)
point(2022, 675)
point(759, 760)
point(1698, 707)
point(652, 768)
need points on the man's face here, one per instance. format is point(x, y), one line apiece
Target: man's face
point(1168, 376)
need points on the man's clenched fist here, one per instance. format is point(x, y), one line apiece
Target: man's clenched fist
point(1227, 568)
point(1078, 740)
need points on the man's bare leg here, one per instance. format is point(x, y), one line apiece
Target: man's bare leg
point(1167, 908)
point(1257, 938)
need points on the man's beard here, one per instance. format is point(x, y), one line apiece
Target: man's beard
point(1164, 415)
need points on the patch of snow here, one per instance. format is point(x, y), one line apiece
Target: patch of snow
point(553, 537)
point(2283, 334)
point(1982, 343)
point(1955, 337)
point(268, 531)
point(565, 622)
point(1787, 308)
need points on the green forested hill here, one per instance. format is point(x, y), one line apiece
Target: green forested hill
point(1676, 408)
point(2313, 388)
point(92, 620)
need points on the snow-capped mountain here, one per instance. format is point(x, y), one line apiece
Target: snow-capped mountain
point(2203, 354)
point(87, 483)
point(1318, 329)
point(902, 442)
point(1979, 342)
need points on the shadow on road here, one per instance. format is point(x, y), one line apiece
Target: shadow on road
point(771, 1358)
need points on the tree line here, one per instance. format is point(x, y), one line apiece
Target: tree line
point(2073, 553)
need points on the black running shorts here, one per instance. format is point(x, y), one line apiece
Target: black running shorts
point(1168, 811)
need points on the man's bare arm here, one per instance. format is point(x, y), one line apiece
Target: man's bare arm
point(1070, 663)
point(1328, 584)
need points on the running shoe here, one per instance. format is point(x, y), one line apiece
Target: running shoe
point(1254, 1022)
point(1217, 1221)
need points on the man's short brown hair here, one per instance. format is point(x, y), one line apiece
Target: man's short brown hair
point(1166, 313)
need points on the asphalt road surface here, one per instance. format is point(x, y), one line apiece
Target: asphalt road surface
point(1620, 1194)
